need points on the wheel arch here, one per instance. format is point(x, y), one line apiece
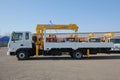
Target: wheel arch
point(23, 49)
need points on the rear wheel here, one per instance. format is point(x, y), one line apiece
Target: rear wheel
point(77, 55)
point(22, 55)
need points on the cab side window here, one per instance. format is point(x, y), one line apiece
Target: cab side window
point(27, 36)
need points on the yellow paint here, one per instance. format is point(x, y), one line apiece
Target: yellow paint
point(108, 35)
point(88, 52)
point(91, 35)
point(76, 37)
point(37, 49)
point(71, 35)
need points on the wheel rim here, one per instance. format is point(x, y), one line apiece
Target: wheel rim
point(78, 55)
point(21, 55)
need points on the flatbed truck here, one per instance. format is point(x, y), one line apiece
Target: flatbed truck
point(25, 44)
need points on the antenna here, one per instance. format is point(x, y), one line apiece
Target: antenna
point(52, 24)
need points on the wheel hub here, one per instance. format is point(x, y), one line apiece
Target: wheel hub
point(78, 55)
point(21, 55)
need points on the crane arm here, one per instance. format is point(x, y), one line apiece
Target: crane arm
point(111, 35)
point(91, 35)
point(42, 27)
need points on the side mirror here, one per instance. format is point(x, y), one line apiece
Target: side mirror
point(13, 37)
point(13, 40)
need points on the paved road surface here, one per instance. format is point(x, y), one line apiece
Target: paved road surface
point(98, 67)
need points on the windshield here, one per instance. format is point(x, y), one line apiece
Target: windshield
point(115, 40)
point(17, 36)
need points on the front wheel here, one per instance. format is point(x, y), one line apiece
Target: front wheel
point(77, 55)
point(22, 55)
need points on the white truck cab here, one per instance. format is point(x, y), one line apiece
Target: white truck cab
point(19, 40)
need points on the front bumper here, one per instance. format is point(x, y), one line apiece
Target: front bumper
point(11, 53)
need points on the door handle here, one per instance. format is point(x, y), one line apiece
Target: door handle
point(21, 45)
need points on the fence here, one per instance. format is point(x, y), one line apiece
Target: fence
point(3, 43)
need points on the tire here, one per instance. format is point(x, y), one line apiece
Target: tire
point(22, 55)
point(77, 55)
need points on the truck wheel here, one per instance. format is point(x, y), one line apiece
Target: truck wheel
point(77, 55)
point(22, 55)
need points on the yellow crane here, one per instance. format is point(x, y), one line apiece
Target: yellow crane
point(92, 38)
point(110, 35)
point(40, 32)
point(91, 35)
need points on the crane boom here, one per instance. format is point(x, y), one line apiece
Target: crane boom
point(110, 35)
point(43, 27)
point(91, 35)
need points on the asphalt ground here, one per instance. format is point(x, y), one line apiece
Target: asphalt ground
point(97, 67)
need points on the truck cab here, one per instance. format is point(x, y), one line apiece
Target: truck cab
point(19, 40)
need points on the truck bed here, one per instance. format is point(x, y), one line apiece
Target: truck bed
point(76, 45)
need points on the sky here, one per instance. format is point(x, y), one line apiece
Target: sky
point(89, 15)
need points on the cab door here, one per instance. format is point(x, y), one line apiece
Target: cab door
point(16, 41)
point(27, 40)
